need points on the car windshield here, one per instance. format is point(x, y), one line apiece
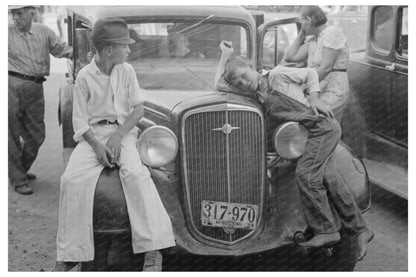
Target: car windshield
point(181, 55)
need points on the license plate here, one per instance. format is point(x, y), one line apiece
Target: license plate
point(229, 215)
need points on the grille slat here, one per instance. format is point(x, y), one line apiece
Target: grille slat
point(205, 163)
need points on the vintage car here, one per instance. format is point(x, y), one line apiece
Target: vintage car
point(375, 123)
point(224, 171)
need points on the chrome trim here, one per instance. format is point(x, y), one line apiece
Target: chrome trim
point(156, 112)
point(218, 108)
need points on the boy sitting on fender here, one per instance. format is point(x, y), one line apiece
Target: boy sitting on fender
point(291, 94)
point(107, 106)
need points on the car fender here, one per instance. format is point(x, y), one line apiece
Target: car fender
point(354, 173)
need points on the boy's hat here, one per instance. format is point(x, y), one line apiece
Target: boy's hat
point(111, 29)
point(16, 7)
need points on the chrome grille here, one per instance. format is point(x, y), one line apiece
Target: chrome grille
point(222, 166)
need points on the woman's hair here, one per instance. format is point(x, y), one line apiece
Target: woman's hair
point(316, 14)
point(234, 62)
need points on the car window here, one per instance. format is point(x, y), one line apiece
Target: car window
point(383, 28)
point(180, 40)
point(181, 55)
point(275, 43)
point(403, 35)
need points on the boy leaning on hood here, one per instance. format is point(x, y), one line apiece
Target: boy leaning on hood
point(291, 94)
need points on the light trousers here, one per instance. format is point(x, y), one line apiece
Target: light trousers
point(151, 227)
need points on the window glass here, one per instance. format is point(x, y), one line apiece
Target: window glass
point(383, 28)
point(275, 43)
point(403, 38)
point(182, 55)
point(173, 40)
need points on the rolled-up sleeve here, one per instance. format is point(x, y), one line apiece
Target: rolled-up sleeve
point(79, 113)
point(58, 48)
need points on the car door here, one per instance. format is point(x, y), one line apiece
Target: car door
point(380, 78)
point(273, 39)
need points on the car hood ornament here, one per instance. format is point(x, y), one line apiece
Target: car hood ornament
point(226, 129)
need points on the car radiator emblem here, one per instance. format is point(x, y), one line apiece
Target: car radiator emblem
point(226, 129)
point(229, 231)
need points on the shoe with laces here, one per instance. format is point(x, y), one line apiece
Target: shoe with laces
point(152, 261)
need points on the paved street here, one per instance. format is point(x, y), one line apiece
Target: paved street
point(32, 220)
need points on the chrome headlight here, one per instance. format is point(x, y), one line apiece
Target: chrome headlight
point(157, 146)
point(290, 140)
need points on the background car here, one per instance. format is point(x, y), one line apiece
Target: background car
point(376, 123)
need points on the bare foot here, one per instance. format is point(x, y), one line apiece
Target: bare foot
point(321, 240)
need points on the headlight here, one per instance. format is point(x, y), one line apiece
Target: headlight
point(290, 140)
point(157, 146)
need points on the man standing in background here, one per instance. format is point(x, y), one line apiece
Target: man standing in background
point(28, 54)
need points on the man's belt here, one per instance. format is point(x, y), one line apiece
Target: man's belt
point(106, 122)
point(339, 70)
point(35, 79)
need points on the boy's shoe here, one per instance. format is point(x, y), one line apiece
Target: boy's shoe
point(152, 261)
point(24, 189)
point(64, 266)
point(322, 240)
point(363, 239)
point(30, 176)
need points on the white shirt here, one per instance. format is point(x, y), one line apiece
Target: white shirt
point(98, 96)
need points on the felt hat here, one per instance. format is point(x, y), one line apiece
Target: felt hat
point(111, 29)
point(16, 7)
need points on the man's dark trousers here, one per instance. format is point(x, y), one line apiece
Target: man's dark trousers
point(26, 124)
point(318, 163)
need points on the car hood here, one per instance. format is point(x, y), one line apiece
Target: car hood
point(166, 85)
point(177, 75)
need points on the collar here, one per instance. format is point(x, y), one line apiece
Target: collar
point(93, 68)
point(30, 32)
point(264, 85)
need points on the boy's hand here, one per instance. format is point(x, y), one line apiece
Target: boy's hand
point(103, 152)
point(114, 144)
point(318, 106)
point(226, 47)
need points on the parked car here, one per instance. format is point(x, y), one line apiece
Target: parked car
point(379, 82)
point(224, 172)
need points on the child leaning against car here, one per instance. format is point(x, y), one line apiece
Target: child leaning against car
point(291, 94)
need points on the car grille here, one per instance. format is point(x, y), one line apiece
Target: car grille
point(223, 167)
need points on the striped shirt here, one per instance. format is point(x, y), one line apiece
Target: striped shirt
point(29, 51)
point(98, 96)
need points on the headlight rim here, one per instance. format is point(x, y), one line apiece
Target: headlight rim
point(282, 127)
point(142, 137)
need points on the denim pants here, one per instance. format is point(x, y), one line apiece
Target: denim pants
point(26, 122)
point(326, 199)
